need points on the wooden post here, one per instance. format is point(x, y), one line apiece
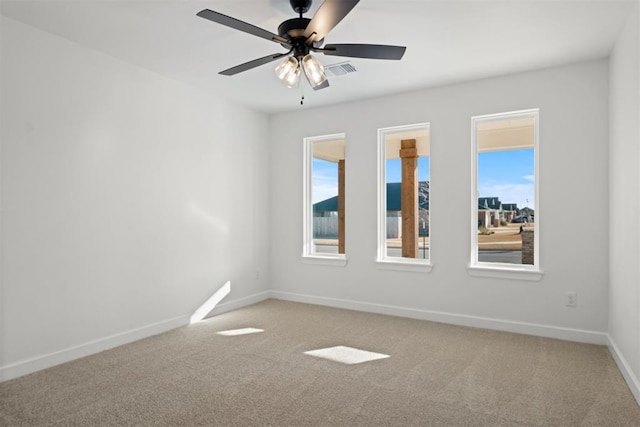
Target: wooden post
point(341, 200)
point(409, 187)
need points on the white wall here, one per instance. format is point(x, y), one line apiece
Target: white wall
point(573, 102)
point(624, 188)
point(127, 200)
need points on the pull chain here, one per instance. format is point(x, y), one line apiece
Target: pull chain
point(301, 94)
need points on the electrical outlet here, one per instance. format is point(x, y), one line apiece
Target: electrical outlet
point(571, 299)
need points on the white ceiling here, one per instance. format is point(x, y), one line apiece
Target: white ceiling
point(447, 41)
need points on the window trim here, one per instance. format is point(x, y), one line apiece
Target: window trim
point(382, 260)
point(504, 270)
point(308, 256)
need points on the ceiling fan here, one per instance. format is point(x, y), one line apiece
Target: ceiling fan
point(302, 36)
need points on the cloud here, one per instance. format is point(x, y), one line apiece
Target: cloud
point(530, 178)
point(324, 187)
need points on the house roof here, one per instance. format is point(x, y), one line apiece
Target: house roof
point(494, 203)
point(489, 203)
point(327, 205)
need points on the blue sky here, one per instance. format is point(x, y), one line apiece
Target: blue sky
point(508, 175)
point(394, 172)
point(325, 180)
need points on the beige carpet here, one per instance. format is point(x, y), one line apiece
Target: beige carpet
point(436, 375)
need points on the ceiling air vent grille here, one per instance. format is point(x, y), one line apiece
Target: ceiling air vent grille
point(340, 69)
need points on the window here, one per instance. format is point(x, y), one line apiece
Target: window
point(403, 197)
point(324, 199)
point(504, 214)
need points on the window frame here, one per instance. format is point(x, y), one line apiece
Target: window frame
point(308, 255)
point(493, 269)
point(384, 261)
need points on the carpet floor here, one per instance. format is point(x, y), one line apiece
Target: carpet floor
point(435, 375)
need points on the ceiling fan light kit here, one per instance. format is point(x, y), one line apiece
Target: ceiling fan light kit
point(302, 36)
point(313, 70)
point(289, 71)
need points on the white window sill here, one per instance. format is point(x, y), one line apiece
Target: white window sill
point(335, 260)
point(404, 264)
point(505, 272)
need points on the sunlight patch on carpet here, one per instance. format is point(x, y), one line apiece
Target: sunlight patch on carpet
point(243, 331)
point(347, 355)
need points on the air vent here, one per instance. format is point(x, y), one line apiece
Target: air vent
point(340, 69)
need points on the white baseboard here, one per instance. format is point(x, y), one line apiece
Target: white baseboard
point(567, 334)
point(625, 369)
point(38, 363)
point(239, 303)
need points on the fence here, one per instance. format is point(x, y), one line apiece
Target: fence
point(327, 227)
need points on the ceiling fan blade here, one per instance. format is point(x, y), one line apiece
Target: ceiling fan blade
point(322, 86)
point(241, 25)
point(328, 15)
point(372, 51)
point(252, 64)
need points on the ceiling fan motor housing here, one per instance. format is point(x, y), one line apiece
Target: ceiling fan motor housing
point(293, 30)
point(300, 6)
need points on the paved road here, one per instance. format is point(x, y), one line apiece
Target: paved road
point(485, 255)
point(500, 255)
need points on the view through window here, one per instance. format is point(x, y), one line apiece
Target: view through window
point(504, 202)
point(404, 188)
point(325, 198)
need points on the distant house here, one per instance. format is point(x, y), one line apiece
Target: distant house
point(327, 207)
point(509, 211)
point(524, 215)
point(491, 211)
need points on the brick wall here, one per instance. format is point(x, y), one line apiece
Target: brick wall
point(527, 246)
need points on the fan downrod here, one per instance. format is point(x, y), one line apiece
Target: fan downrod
point(300, 6)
